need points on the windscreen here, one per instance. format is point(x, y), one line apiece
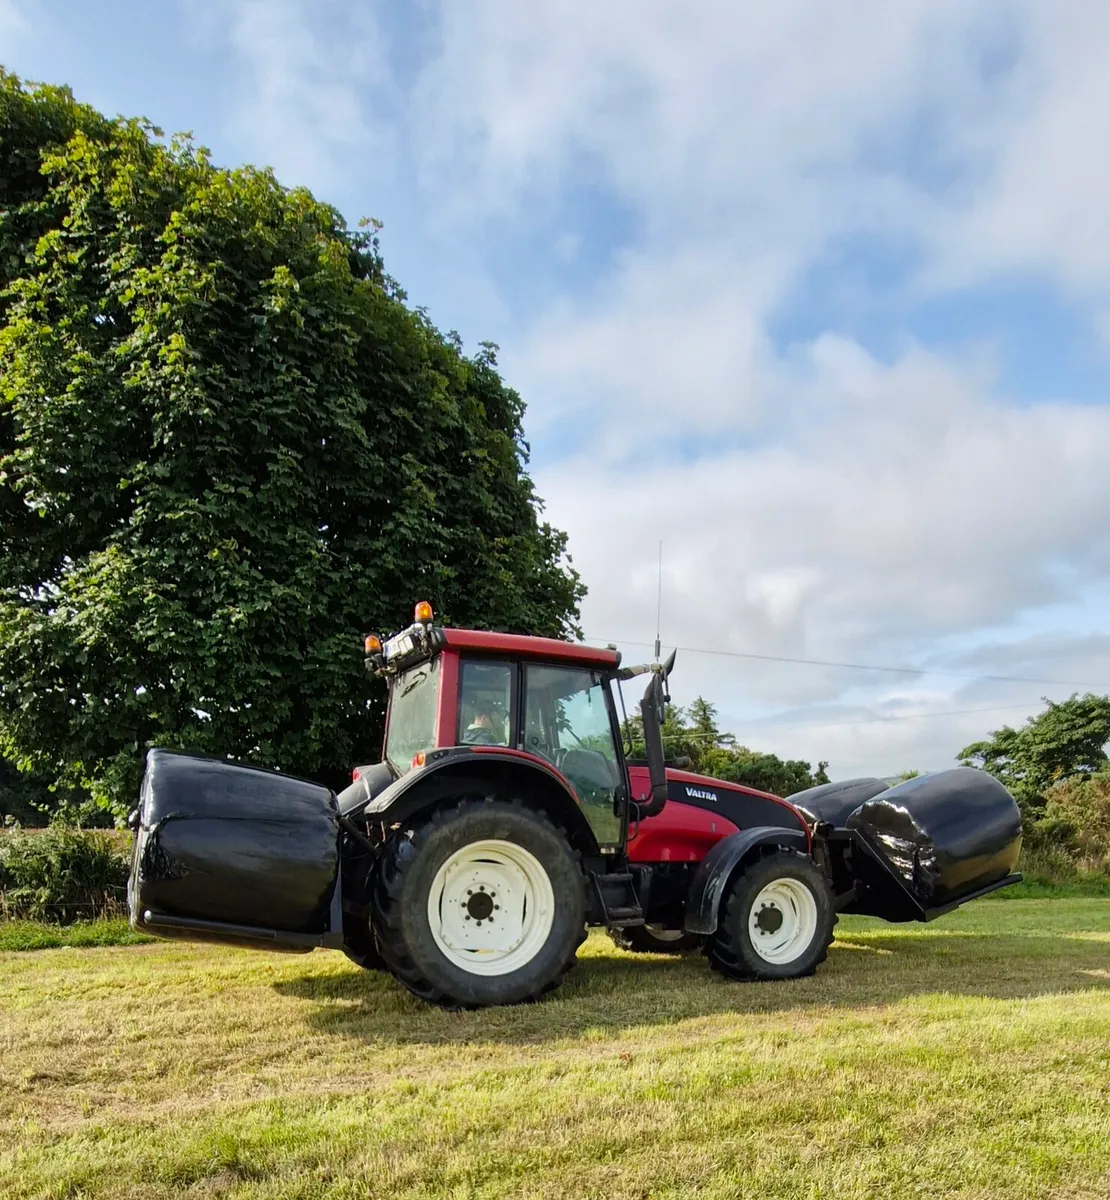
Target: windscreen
point(412, 714)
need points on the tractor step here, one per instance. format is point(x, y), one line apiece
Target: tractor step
point(617, 898)
point(622, 918)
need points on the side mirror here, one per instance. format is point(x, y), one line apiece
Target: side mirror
point(668, 667)
point(653, 710)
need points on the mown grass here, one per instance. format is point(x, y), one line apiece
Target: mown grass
point(1086, 884)
point(41, 935)
point(968, 1058)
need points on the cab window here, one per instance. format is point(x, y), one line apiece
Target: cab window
point(412, 715)
point(566, 721)
point(485, 703)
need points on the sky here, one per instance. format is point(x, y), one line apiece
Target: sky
point(816, 295)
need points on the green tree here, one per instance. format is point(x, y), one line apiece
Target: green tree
point(23, 798)
point(1066, 741)
point(1077, 816)
point(702, 718)
point(769, 773)
point(228, 449)
point(677, 742)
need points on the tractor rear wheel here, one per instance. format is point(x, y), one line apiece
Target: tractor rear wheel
point(776, 920)
point(655, 939)
point(482, 903)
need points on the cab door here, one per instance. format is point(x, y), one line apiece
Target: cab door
point(568, 720)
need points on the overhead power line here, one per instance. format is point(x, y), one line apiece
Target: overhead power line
point(951, 712)
point(852, 721)
point(850, 666)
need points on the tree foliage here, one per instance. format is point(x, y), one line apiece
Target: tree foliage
point(693, 739)
point(1077, 816)
point(1066, 741)
point(227, 450)
point(23, 797)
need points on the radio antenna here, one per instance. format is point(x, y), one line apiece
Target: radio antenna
point(659, 607)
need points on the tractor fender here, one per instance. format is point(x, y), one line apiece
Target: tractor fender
point(713, 873)
point(482, 769)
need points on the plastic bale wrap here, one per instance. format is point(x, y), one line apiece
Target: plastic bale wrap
point(835, 802)
point(947, 835)
point(221, 842)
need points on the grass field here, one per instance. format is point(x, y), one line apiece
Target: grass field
point(39, 935)
point(969, 1058)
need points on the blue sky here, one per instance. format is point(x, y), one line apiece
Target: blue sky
point(817, 294)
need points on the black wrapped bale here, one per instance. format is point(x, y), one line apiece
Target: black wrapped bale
point(946, 835)
point(238, 845)
point(835, 802)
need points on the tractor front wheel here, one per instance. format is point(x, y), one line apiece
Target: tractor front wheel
point(776, 921)
point(482, 903)
point(362, 950)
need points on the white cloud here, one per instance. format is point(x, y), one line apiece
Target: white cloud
point(818, 500)
point(856, 741)
point(764, 132)
point(1041, 204)
point(311, 73)
point(686, 105)
point(908, 482)
point(821, 503)
point(923, 724)
point(906, 507)
point(665, 339)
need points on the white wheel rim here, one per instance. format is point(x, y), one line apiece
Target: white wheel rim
point(491, 907)
point(782, 921)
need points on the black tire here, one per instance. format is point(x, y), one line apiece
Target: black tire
point(404, 883)
point(654, 939)
point(361, 948)
point(731, 950)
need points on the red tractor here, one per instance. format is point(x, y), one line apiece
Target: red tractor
point(506, 817)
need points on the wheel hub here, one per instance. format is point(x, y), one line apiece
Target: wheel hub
point(480, 904)
point(782, 921)
point(769, 919)
point(491, 907)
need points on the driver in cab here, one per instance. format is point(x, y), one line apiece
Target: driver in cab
point(482, 730)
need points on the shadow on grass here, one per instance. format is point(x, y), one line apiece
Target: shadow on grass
point(611, 990)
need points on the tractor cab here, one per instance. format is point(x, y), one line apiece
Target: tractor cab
point(458, 693)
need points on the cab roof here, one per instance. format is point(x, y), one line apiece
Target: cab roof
point(518, 645)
